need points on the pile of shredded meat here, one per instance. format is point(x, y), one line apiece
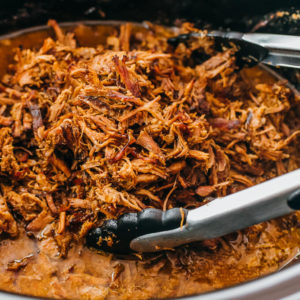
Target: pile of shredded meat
point(89, 133)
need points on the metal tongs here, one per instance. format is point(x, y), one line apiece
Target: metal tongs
point(154, 230)
point(271, 49)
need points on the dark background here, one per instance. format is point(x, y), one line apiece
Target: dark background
point(233, 14)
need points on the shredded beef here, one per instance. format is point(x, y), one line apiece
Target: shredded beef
point(105, 130)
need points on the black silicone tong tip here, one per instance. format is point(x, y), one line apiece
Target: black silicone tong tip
point(247, 55)
point(115, 235)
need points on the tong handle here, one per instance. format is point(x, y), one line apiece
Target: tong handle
point(270, 199)
point(274, 42)
point(248, 53)
point(272, 49)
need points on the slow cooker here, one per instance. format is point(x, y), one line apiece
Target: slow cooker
point(236, 15)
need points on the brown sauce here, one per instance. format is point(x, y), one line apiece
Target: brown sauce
point(86, 274)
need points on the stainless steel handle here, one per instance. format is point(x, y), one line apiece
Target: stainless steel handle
point(271, 49)
point(251, 206)
point(259, 203)
point(274, 41)
point(284, 50)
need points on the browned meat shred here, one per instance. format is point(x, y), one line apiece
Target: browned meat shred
point(89, 133)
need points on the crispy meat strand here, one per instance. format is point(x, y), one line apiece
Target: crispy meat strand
point(7, 222)
point(91, 133)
